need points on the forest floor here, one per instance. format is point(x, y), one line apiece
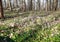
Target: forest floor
point(33, 26)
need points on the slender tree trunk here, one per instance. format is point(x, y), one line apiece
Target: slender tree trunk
point(50, 5)
point(39, 4)
point(10, 5)
point(33, 5)
point(17, 3)
point(5, 4)
point(24, 5)
point(46, 5)
point(30, 5)
point(1, 10)
point(55, 5)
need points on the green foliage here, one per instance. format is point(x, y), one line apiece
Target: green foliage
point(5, 39)
point(35, 32)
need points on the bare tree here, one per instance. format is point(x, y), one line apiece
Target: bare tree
point(24, 5)
point(1, 10)
point(50, 5)
point(10, 4)
point(39, 4)
point(46, 5)
point(55, 5)
point(5, 4)
point(30, 4)
point(17, 3)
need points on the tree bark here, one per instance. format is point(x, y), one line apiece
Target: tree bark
point(30, 4)
point(5, 4)
point(46, 5)
point(39, 4)
point(1, 10)
point(55, 5)
point(49, 3)
point(17, 3)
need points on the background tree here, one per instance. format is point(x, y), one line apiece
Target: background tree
point(38, 2)
point(17, 3)
point(30, 4)
point(10, 4)
point(5, 4)
point(1, 10)
point(55, 5)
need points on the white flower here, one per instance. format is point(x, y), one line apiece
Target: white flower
point(44, 37)
point(56, 27)
point(11, 35)
point(11, 24)
point(52, 29)
point(57, 33)
point(2, 34)
point(52, 34)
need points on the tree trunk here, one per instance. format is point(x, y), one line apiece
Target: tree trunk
point(30, 4)
point(17, 3)
point(50, 5)
point(5, 4)
point(46, 5)
point(39, 4)
point(1, 10)
point(23, 6)
point(10, 5)
point(55, 5)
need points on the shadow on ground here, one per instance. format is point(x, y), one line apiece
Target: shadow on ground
point(5, 39)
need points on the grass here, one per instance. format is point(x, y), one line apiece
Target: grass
point(39, 34)
point(32, 33)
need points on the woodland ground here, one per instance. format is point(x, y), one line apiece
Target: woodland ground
point(33, 26)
